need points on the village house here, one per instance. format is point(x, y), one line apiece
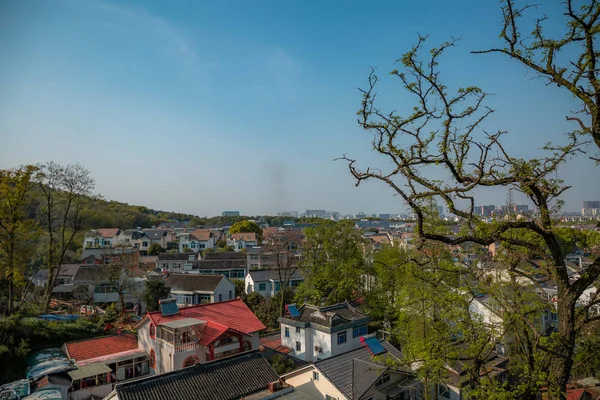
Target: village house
point(369, 372)
point(64, 277)
point(103, 237)
point(230, 267)
point(193, 289)
point(242, 241)
point(315, 333)
point(196, 240)
point(103, 361)
point(107, 256)
point(267, 281)
point(176, 338)
point(174, 261)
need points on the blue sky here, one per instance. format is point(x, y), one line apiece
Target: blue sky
point(207, 106)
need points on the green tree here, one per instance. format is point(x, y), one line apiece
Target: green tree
point(240, 289)
point(18, 233)
point(333, 263)
point(282, 364)
point(154, 291)
point(443, 130)
point(247, 226)
point(155, 248)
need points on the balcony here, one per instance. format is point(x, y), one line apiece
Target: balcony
point(181, 335)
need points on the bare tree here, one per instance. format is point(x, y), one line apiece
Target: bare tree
point(443, 134)
point(66, 192)
point(282, 248)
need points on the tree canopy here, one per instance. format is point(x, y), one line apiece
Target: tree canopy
point(247, 226)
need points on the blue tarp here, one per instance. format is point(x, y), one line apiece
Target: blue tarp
point(15, 390)
point(59, 317)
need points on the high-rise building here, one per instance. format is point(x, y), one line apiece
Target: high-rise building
point(591, 204)
point(384, 217)
point(484, 211)
point(521, 208)
point(230, 213)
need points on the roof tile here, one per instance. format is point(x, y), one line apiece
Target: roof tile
point(98, 347)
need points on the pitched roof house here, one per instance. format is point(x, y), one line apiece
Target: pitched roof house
point(267, 282)
point(196, 240)
point(242, 240)
point(357, 374)
point(321, 332)
point(191, 289)
point(176, 338)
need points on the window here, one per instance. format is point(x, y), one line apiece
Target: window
point(298, 346)
point(554, 316)
point(443, 392)
point(297, 329)
point(277, 286)
point(383, 380)
point(192, 245)
point(191, 360)
point(359, 331)
point(315, 376)
point(295, 284)
point(341, 338)
point(203, 298)
point(287, 332)
point(144, 244)
point(262, 287)
point(201, 245)
point(220, 297)
point(230, 295)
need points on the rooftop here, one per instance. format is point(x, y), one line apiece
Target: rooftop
point(220, 255)
point(194, 282)
point(366, 370)
point(231, 313)
point(245, 236)
point(99, 347)
point(330, 316)
point(272, 274)
point(177, 256)
point(230, 378)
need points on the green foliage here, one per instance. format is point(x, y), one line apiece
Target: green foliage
point(246, 226)
point(221, 243)
point(155, 248)
point(282, 364)
point(154, 291)
point(333, 264)
point(19, 336)
point(240, 289)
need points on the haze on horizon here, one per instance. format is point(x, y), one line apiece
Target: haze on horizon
point(202, 107)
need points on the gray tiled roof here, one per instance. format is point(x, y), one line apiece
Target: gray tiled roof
point(99, 254)
point(176, 256)
point(193, 282)
point(219, 264)
point(231, 378)
point(354, 372)
point(261, 275)
point(231, 255)
point(333, 315)
point(155, 233)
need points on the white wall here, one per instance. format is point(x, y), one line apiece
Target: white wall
point(223, 289)
point(100, 391)
point(303, 382)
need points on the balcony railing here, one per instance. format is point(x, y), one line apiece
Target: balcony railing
point(171, 348)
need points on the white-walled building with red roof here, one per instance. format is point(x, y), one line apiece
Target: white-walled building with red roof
point(177, 338)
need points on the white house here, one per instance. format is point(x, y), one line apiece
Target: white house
point(315, 333)
point(242, 241)
point(174, 261)
point(103, 237)
point(191, 289)
point(196, 240)
point(365, 373)
point(267, 282)
point(178, 338)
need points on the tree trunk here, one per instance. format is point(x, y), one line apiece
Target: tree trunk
point(11, 289)
point(560, 368)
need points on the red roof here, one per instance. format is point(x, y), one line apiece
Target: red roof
point(103, 346)
point(108, 232)
point(232, 314)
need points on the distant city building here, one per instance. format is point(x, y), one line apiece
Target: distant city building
point(486, 211)
point(231, 213)
point(521, 208)
point(360, 215)
point(316, 214)
point(384, 217)
point(293, 214)
point(591, 204)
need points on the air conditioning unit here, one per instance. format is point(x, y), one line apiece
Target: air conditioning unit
point(318, 349)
